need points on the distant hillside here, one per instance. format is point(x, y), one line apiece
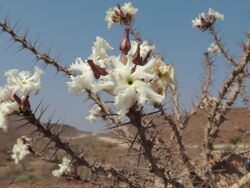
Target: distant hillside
point(237, 124)
point(15, 130)
point(104, 146)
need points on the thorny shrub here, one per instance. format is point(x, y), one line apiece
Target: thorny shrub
point(137, 81)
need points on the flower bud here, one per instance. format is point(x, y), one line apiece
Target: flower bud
point(97, 70)
point(125, 43)
point(137, 56)
point(17, 99)
point(25, 104)
point(144, 61)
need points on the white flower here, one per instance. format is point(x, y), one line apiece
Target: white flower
point(216, 14)
point(6, 93)
point(21, 149)
point(214, 48)
point(130, 84)
point(93, 113)
point(84, 78)
point(23, 82)
point(166, 76)
point(145, 48)
point(124, 15)
point(64, 168)
point(7, 106)
point(99, 51)
point(204, 21)
point(207, 102)
point(3, 122)
point(110, 16)
point(128, 9)
point(197, 22)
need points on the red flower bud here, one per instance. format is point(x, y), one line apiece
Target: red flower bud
point(125, 43)
point(17, 99)
point(25, 103)
point(97, 70)
point(144, 61)
point(137, 56)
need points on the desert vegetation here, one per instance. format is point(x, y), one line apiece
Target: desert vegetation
point(149, 147)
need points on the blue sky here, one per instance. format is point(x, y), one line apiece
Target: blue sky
point(70, 28)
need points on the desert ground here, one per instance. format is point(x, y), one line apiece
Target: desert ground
point(36, 171)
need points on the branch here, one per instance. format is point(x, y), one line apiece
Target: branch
point(221, 46)
point(194, 172)
point(176, 105)
point(231, 78)
point(244, 95)
point(50, 61)
point(207, 83)
point(135, 117)
point(219, 118)
point(136, 35)
point(81, 161)
point(216, 117)
point(25, 44)
point(244, 180)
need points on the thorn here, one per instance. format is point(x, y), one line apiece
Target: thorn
point(51, 116)
point(116, 126)
point(60, 128)
point(52, 156)
point(84, 153)
point(24, 124)
point(36, 41)
point(48, 125)
point(139, 158)
point(133, 141)
point(21, 119)
point(19, 49)
point(18, 29)
point(57, 122)
point(38, 106)
point(6, 19)
point(49, 50)
point(26, 34)
point(42, 111)
point(47, 145)
point(38, 139)
point(34, 131)
point(60, 132)
point(16, 24)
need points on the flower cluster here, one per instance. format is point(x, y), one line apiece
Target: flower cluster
point(204, 21)
point(140, 52)
point(136, 76)
point(214, 48)
point(7, 106)
point(24, 82)
point(21, 149)
point(94, 112)
point(64, 168)
point(207, 102)
point(120, 15)
point(14, 95)
point(131, 84)
point(133, 77)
